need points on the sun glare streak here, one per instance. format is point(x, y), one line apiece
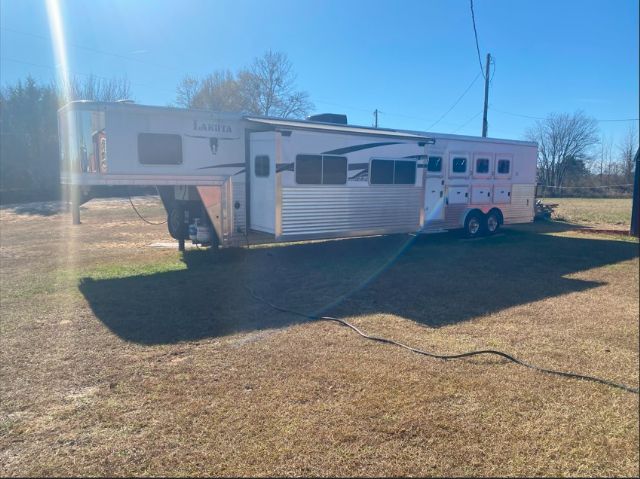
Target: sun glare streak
point(59, 46)
point(68, 246)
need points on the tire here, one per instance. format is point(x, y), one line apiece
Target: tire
point(178, 229)
point(474, 225)
point(492, 223)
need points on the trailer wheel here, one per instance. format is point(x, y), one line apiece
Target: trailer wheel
point(492, 222)
point(473, 225)
point(178, 229)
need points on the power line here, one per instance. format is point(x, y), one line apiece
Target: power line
point(456, 102)
point(543, 118)
point(475, 33)
point(467, 122)
point(89, 49)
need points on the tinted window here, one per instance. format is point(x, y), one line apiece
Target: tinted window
point(482, 165)
point(405, 173)
point(381, 172)
point(334, 170)
point(159, 149)
point(504, 166)
point(261, 166)
point(434, 164)
point(309, 169)
point(459, 165)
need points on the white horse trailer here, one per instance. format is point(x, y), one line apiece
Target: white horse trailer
point(224, 175)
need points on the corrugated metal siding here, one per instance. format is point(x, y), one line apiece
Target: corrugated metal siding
point(317, 211)
point(522, 206)
point(452, 219)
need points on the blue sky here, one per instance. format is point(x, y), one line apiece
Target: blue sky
point(409, 59)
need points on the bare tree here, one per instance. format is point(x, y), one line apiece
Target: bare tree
point(627, 149)
point(98, 89)
point(562, 138)
point(219, 91)
point(268, 88)
point(186, 91)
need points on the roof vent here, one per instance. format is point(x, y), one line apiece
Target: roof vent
point(337, 118)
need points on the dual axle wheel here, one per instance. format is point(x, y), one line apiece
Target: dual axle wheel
point(478, 224)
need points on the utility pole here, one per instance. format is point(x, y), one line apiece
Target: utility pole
point(375, 118)
point(486, 96)
point(635, 208)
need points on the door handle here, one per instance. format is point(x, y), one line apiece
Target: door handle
point(441, 194)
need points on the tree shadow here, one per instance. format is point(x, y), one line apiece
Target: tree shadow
point(435, 280)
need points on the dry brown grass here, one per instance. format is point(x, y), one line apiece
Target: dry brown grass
point(613, 213)
point(121, 359)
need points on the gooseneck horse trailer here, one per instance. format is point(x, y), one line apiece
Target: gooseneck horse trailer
point(222, 175)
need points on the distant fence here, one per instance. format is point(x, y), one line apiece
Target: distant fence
point(26, 195)
point(602, 191)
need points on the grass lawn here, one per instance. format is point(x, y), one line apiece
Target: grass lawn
point(117, 358)
point(613, 213)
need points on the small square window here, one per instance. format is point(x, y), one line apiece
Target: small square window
point(405, 172)
point(434, 164)
point(459, 165)
point(482, 165)
point(381, 172)
point(261, 166)
point(308, 169)
point(504, 167)
point(334, 170)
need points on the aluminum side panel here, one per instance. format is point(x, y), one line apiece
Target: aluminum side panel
point(335, 211)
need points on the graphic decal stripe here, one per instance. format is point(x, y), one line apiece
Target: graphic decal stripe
point(365, 146)
point(226, 165)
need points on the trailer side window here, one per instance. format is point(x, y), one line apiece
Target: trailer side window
point(392, 172)
point(159, 149)
point(261, 166)
point(504, 166)
point(459, 165)
point(381, 172)
point(405, 172)
point(309, 169)
point(482, 165)
point(434, 164)
point(334, 170)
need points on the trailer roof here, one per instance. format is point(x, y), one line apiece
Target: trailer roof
point(338, 128)
point(388, 132)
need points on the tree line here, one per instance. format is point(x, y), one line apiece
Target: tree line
point(574, 159)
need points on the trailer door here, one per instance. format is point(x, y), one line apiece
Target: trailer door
point(434, 188)
point(263, 181)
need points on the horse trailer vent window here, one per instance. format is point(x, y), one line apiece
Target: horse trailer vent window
point(334, 170)
point(459, 165)
point(482, 165)
point(261, 166)
point(405, 173)
point(504, 166)
point(390, 172)
point(159, 149)
point(434, 164)
point(309, 169)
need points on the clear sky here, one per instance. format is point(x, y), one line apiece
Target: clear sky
point(410, 59)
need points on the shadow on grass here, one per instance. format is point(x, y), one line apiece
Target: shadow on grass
point(434, 280)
